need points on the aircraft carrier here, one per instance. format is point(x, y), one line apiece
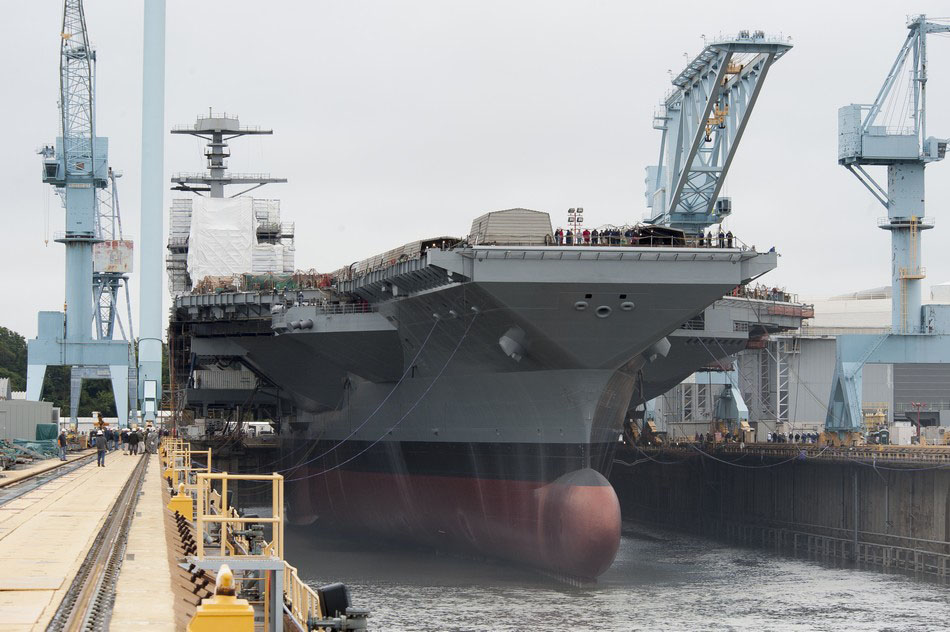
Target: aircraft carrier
point(468, 392)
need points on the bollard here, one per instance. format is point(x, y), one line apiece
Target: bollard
point(182, 502)
point(223, 612)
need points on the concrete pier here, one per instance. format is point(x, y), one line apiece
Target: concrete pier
point(144, 598)
point(893, 512)
point(45, 535)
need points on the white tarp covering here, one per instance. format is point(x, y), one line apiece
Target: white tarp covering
point(267, 258)
point(221, 238)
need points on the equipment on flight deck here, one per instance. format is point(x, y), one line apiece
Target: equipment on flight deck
point(77, 166)
point(880, 135)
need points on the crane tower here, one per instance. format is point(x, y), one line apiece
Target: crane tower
point(891, 132)
point(77, 166)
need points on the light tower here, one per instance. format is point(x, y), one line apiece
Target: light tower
point(878, 135)
point(77, 166)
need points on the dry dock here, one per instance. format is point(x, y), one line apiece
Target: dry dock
point(884, 506)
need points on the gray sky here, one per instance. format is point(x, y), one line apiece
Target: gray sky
point(400, 120)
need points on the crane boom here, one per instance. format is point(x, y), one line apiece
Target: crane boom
point(702, 121)
point(76, 89)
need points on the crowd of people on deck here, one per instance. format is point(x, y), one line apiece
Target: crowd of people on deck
point(629, 236)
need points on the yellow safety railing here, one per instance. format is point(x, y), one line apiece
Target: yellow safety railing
point(181, 468)
point(167, 446)
point(231, 540)
point(177, 459)
point(215, 510)
point(304, 603)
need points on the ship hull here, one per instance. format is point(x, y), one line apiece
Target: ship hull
point(500, 500)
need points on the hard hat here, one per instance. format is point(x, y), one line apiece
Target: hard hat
point(98, 432)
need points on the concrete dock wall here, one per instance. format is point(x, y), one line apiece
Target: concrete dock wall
point(856, 511)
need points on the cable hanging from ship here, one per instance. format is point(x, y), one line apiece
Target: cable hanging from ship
point(382, 403)
point(401, 419)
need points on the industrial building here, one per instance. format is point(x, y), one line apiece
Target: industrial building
point(785, 381)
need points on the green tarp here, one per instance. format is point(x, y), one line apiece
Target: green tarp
point(45, 432)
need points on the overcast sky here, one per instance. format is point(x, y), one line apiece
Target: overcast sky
point(400, 120)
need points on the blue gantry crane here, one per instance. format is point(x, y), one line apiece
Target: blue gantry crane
point(702, 120)
point(892, 132)
point(77, 166)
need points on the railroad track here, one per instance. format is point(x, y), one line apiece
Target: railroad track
point(34, 481)
point(88, 602)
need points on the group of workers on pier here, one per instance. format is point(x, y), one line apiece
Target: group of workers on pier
point(105, 440)
point(798, 437)
point(630, 236)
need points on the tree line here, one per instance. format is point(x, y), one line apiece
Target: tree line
point(96, 395)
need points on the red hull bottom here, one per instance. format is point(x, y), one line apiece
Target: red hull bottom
point(569, 526)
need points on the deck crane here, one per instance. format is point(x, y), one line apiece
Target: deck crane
point(892, 132)
point(77, 166)
point(702, 121)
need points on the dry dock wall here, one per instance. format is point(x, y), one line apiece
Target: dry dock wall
point(857, 511)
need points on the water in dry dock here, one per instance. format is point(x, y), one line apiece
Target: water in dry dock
point(660, 581)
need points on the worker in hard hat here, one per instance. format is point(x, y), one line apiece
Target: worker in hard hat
point(100, 448)
point(134, 438)
point(61, 440)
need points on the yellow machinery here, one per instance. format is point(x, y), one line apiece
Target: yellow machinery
point(649, 436)
point(850, 439)
point(875, 416)
point(746, 433)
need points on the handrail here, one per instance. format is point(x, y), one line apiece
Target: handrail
point(228, 517)
point(885, 453)
point(299, 600)
point(177, 458)
point(304, 602)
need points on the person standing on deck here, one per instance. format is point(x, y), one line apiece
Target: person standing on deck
point(61, 440)
point(134, 441)
point(100, 449)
